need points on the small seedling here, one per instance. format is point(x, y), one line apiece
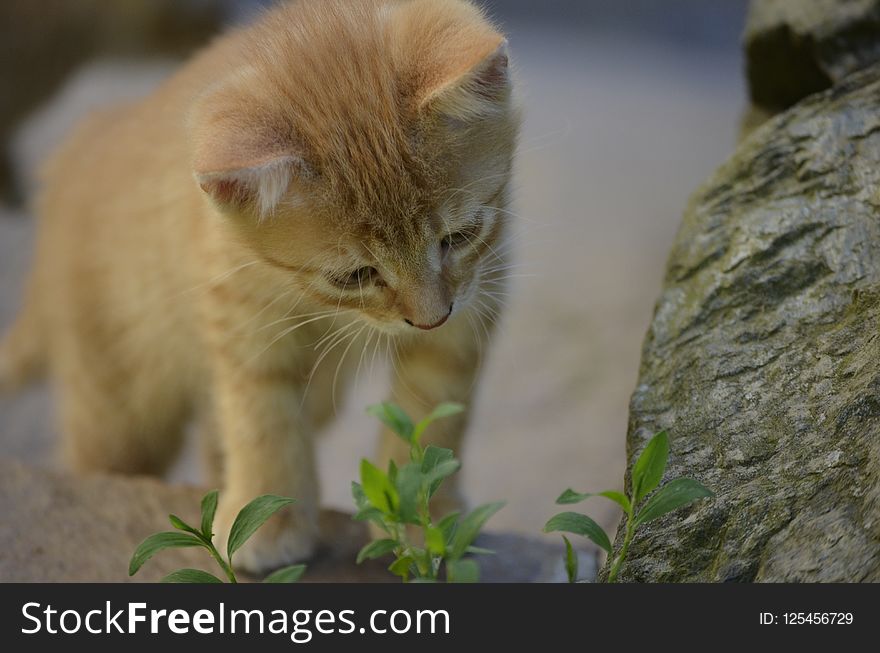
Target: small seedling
point(398, 501)
point(246, 523)
point(646, 476)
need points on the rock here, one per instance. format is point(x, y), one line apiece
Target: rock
point(763, 357)
point(798, 47)
point(61, 528)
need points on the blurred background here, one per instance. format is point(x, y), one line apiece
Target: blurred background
point(629, 105)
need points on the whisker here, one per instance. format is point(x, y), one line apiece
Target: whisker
point(339, 365)
point(376, 352)
point(284, 334)
point(395, 359)
point(343, 328)
point(220, 277)
point(296, 317)
point(482, 322)
point(549, 137)
point(511, 276)
point(501, 299)
point(479, 343)
point(370, 333)
point(329, 348)
point(252, 318)
point(504, 268)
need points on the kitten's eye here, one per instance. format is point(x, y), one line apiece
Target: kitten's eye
point(360, 278)
point(457, 239)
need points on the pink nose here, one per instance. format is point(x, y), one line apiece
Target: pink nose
point(432, 326)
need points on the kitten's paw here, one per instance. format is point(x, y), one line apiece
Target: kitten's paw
point(290, 536)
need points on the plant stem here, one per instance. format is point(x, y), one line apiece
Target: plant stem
point(630, 531)
point(227, 569)
point(404, 549)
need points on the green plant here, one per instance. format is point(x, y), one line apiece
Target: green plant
point(637, 507)
point(398, 502)
point(246, 523)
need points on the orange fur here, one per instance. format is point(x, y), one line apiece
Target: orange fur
point(227, 249)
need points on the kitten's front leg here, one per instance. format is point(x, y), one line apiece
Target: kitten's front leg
point(433, 368)
point(267, 450)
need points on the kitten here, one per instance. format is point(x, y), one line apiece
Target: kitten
point(324, 185)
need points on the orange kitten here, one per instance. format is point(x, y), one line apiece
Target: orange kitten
point(325, 184)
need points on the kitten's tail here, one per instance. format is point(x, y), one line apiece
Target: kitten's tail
point(22, 351)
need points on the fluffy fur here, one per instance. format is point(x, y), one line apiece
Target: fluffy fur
point(325, 185)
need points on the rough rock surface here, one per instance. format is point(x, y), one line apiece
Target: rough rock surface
point(763, 358)
point(61, 528)
point(797, 47)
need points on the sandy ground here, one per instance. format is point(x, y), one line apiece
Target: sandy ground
point(617, 135)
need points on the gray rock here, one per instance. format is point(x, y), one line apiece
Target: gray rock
point(763, 357)
point(797, 47)
point(60, 528)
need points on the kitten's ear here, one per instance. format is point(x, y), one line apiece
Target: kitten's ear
point(473, 88)
point(250, 186)
point(245, 158)
point(451, 58)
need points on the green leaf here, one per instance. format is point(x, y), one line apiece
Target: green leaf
point(619, 498)
point(673, 495)
point(209, 509)
point(462, 571)
point(392, 472)
point(648, 470)
point(443, 470)
point(443, 410)
point(571, 561)
point(366, 512)
point(448, 525)
point(409, 484)
point(378, 488)
point(573, 522)
point(401, 567)
point(433, 458)
point(357, 493)
point(394, 418)
point(369, 514)
point(286, 574)
point(570, 496)
point(191, 576)
point(376, 549)
point(435, 540)
point(251, 517)
point(155, 543)
point(469, 528)
point(181, 525)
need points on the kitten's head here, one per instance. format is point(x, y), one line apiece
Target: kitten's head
point(366, 147)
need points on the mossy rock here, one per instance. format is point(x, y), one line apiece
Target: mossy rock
point(763, 357)
point(797, 47)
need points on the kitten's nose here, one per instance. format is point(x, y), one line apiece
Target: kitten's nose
point(432, 326)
